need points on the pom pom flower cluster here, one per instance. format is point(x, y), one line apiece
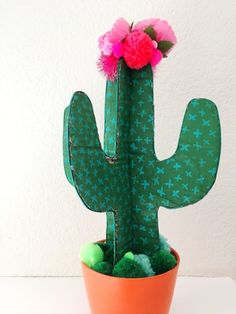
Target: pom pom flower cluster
point(146, 42)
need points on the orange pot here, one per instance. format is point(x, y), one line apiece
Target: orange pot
point(113, 295)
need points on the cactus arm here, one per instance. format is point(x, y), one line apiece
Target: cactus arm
point(191, 172)
point(87, 161)
point(188, 175)
point(178, 181)
point(66, 156)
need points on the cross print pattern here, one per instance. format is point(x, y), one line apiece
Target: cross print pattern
point(126, 180)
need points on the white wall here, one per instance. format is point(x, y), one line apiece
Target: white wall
point(48, 50)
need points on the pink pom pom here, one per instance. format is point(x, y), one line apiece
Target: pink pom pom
point(108, 65)
point(156, 57)
point(138, 49)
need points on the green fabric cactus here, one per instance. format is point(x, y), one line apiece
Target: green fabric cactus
point(125, 179)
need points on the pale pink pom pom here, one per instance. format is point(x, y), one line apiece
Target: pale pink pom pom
point(162, 29)
point(108, 65)
point(101, 40)
point(118, 32)
point(104, 44)
point(154, 44)
point(138, 49)
point(107, 48)
point(156, 57)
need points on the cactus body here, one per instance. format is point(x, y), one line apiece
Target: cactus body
point(126, 180)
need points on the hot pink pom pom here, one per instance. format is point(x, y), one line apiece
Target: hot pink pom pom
point(117, 50)
point(156, 57)
point(138, 49)
point(108, 65)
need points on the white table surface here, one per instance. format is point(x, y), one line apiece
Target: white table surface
point(193, 295)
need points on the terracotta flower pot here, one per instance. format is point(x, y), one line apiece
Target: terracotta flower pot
point(113, 295)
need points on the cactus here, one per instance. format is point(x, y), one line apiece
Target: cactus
point(125, 179)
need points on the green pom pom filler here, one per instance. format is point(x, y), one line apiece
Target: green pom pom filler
point(144, 261)
point(164, 245)
point(162, 261)
point(130, 265)
point(128, 268)
point(103, 267)
point(129, 255)
point(91, 254)
point(108, 252)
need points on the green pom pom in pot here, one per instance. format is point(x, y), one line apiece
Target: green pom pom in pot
point(128, 268)
point(108, 252)
point(103, 268)
point(144, 261)
point(162, 261)
point(164, 245)
point(91, 254)
point(129, 255)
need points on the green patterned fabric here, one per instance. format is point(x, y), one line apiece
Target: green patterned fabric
point(126, 180)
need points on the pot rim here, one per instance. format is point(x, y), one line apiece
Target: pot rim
point(139, 278)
